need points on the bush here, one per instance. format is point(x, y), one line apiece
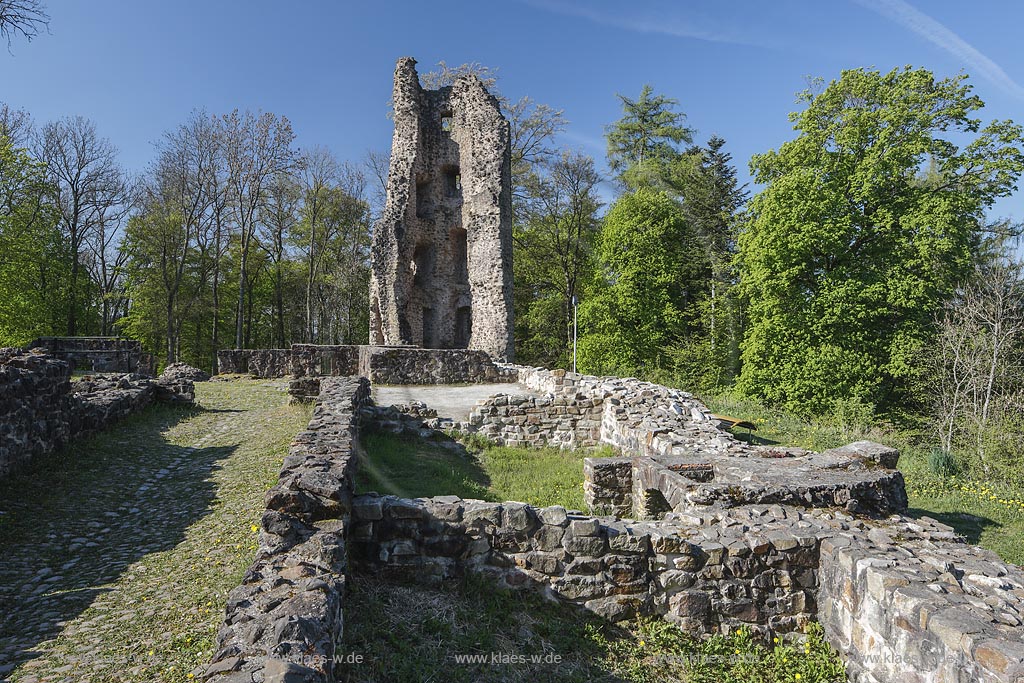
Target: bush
point(942, 463)
point(852, 415)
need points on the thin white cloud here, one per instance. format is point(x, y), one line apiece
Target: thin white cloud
point(664, 22)
point(931, 30)
point(591, 143)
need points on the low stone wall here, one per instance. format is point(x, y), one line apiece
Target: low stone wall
point(385, 365)
point(34, 406)
point(379, 364)
point(312, 360)
point(521, 420)
point(285, 620)
point(233, 361)
point(900, 599)
point(41, 410)
point(912, 602)
point(102, 400)
point(270, 363)
point(681, 457)
point(640, 417)
point(615, 568)
point(96, 354)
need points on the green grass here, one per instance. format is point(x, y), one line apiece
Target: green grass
point(987, 513)
point(144, 601)
point(405, 633)
point(414, 468)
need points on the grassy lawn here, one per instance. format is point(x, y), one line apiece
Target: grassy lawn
point(461, 631)
point(986, 513)
point(414, 468)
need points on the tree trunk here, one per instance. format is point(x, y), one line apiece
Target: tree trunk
point(241, 297)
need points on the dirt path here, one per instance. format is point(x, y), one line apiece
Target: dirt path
point(117, 556)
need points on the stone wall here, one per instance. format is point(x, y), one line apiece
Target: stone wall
point(615, 568)
point(35, 405)
point(270, 363)
point(233, 361)
point(914, 602)
point(41, 410)
point(535, 421)
point(285, 620)
point(380, 364)
point(383, 365)
point(900, 599)
point(96, 354)
point(681, 458)
point(313, 360)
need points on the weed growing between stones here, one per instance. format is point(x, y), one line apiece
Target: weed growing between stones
point(469, 631)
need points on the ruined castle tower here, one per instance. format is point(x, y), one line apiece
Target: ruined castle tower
point(442, 253)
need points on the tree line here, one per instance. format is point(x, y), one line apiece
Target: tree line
point(231, 237)
point(864, 278)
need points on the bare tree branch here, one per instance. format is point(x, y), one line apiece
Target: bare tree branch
point(24, 17)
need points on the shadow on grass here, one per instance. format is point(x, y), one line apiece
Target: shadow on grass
point(411, 467)
point(969, 526)
point(754, 439)
point(469, 631)
point(74, 520)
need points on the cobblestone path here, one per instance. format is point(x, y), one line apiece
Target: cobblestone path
point(116, 556)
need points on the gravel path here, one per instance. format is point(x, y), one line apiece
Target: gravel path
point(116, 556)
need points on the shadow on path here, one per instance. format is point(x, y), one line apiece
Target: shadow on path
point(72, 522)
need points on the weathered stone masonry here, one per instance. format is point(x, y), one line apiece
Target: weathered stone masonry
point(442, 252)
point(902, 599)
point(679, 457)
point(41, 410)
point(284, 622)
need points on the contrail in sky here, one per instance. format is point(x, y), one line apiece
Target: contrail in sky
point(665, 22)
point(906, 15)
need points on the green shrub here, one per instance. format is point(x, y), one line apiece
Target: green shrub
point(942, 463)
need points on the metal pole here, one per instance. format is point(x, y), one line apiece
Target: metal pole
point(575, 310)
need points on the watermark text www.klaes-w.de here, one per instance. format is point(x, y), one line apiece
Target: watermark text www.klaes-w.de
point(505, 658)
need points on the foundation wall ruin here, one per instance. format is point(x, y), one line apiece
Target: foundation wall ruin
point(41, 410)
point(900, 598)
point(97, 354)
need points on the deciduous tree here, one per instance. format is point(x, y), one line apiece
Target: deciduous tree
point(849, 255)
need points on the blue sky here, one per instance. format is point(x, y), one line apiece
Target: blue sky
point(139, 68)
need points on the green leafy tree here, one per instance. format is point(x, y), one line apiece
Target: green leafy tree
point(704, 180)
point(651, 274)
point(646, 139)
point(33, 254)
point(554, 256)
point(848, 255)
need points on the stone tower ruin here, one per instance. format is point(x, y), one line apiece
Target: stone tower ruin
point(442, 252)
